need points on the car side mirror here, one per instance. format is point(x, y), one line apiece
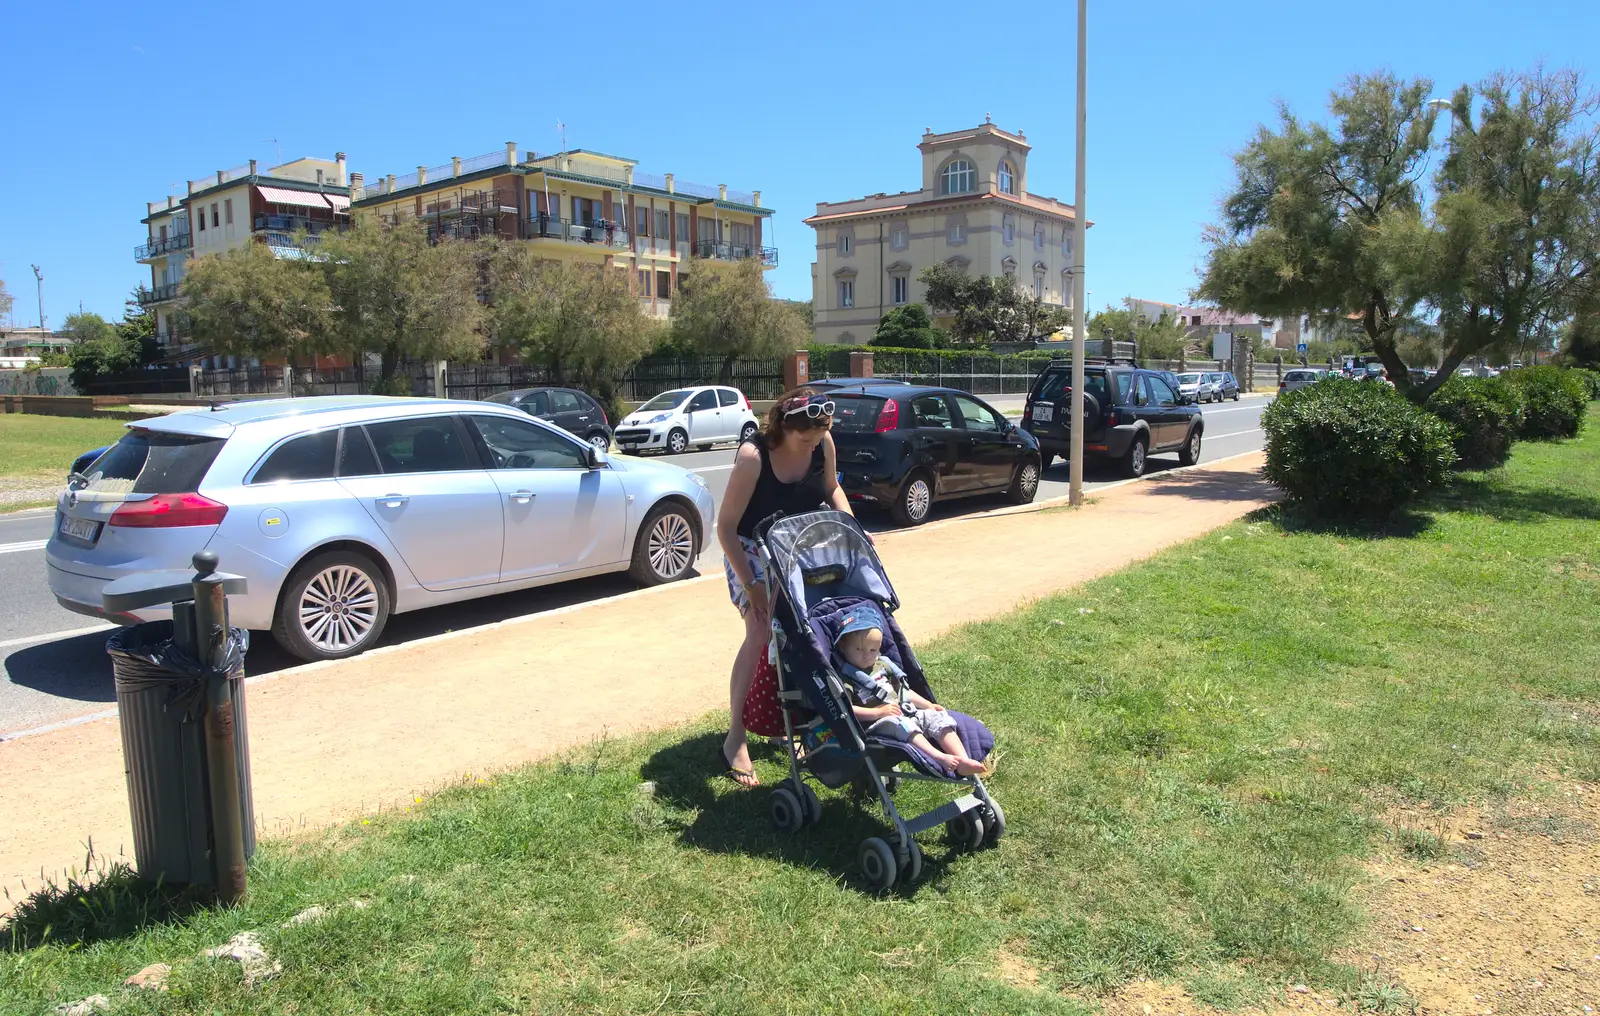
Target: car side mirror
point(594, 457)
point(1185, 400)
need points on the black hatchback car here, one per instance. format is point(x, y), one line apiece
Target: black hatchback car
point(1130, 413)
point(567, 408)
point(904, 447)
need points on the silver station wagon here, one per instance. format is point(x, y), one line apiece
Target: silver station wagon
point(341, 511)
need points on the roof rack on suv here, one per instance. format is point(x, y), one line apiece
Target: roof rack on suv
point(1099, 361)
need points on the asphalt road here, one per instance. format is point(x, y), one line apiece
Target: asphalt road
point(54, 662)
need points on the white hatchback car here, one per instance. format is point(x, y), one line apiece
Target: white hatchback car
point(702, 416)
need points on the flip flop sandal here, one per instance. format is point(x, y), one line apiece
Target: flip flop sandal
point(746, 778)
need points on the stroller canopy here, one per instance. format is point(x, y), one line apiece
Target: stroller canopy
point(823, 555)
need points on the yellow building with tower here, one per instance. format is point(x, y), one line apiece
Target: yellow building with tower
point(580, 206)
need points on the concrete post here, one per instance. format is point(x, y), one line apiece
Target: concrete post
point(439, 368)
point(755, 199)
point(455, 165)
point(672, 187)
point(422, 174)
point(722, 191)
point(511, 153)
point(194, 380)
point(796, 369)
point(861, 365)
point(288, 380)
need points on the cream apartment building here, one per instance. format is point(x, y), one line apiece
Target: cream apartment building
point(973, 210)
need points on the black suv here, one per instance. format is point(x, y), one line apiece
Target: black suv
point(571, 410)
point(1130, 413)
point(906, 446)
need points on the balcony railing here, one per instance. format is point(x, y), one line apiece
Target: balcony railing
point(606, 234)
point(723, 251)
point(295, 223)
point(158, 247)
point(160, 294)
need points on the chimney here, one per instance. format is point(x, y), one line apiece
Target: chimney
point(756, 199)
point(338, 158)
point(252, 167)
point(511, 153)
point(422, 174)
point(672, 186)
point(319, 179)
point(357, 191)
point(169, 203)
point(191, 188)
point(219, 176)
point(390, 188)
point(722, 192)
point(455, 165)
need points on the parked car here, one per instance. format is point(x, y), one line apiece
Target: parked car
point(1129, 414)
point(568, 408)
point(1227, 386)
point(674, 420)
point(835, 383)
point(906, 447)
point(343, 510)
point(1198, 386)
point(1301, 377)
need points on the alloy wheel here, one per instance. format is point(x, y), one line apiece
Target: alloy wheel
point(919, 497)
point(1030, 480)
point(338, 608)
point(600, 441)
point(1136, 458)
point(670, 545)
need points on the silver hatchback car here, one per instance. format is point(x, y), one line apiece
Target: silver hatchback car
point(341, 511)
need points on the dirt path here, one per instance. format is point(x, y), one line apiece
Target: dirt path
point(330, 740)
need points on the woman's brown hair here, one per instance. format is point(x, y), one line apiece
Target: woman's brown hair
point(773, 428)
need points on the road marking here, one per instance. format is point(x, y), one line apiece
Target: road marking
point(49, 636)
point(18, 548)
point(711, 469)
point(1237, 433)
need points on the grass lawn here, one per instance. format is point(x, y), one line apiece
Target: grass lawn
point(37, 451)
point(1199, 754)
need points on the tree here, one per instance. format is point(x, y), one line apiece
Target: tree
point(908, 327)
point(580, 320)
point(1580, 341)
point(5, 299)
point(803, 308)
point(249, 302)
point(727, 311)
point(398, 296)
point(1303, 230)
point(987, 309)
point(138, 323)
point(1162, 339)
point(96, 349)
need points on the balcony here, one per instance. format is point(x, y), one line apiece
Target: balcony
point(602, 233)
point(723, 251)
point(160, 294)
point(156, 248)
point(294, 224)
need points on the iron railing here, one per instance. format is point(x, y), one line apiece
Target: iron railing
point(159, 294)
point(610, 234)
point(724, 251)
point(295, 223)
point(157, 247)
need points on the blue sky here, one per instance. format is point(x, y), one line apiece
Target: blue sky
point(109, 104)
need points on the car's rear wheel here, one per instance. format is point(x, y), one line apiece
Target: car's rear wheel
point(1133, 461)
point(665, 548)
point(1024, 483)
point(1189, 454)
point(1236, 395)
point(333, 606)
point(677, 441)
point(749, 431)
point(600, 439)
point(914, 503)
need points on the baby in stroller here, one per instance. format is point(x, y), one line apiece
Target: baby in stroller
point(886, 705)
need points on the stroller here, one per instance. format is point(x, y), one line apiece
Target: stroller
point(818, 566)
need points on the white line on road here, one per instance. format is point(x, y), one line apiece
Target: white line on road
point(17, 548)
point(711, 469)
point(48, 636)
point(1236, 433)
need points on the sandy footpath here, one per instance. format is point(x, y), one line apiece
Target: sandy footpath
point(330, 740)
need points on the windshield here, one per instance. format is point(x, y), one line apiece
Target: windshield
point(1189, 379)
point(666, 400)
point(1056, 386)
point(153, 462)
point(856, 414)
point(504, 398)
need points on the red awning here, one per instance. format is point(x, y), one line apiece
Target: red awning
point(284, 196)
point(339, 202)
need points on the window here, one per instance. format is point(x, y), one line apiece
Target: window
point(1066, 242)
point(1160, 391)
point(1008, 229)
point(727, 397)
point(1038, 287)
point(957, 178)
point(664, 285)
point(683, 227)
point(931, 411)
point(644, 282)
point(304, 458)
point(565, 402)
point(430, 445)
point(643, 225)
point(900, 289)
point(845, 242)
point(976, 416)
point(705, 400)
point(744, 234)
point(1038, 236)
point(518, 444)
point(897, 237)
point(847, 293)
point(227, 211)
point(663, 223)
point(156, 463)
point(1008, 178)
point(956, 232)
point(202, 219)
point(215, 221)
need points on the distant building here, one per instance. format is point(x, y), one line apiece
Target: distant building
point(973, 210)
point(22, 346)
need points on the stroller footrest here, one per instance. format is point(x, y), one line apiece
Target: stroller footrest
point(942, 814)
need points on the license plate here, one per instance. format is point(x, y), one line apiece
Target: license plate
point(1044, 413)
point(82, 530)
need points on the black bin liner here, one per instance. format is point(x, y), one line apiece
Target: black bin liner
point(161, 696)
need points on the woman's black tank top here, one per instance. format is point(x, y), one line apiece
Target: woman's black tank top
point(773, 495)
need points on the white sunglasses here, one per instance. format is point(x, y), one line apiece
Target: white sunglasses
point(812, 409)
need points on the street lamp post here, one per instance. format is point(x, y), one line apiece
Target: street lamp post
point(1075, 463)
point(38, 278)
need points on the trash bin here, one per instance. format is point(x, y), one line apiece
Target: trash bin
point(161, 703)
point(185, 747)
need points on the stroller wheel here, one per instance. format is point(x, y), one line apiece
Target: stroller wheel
point(813, 807)
point(787, 813)
point(965, 830)
point(911, 866)
point(994, 823)
point(877, 863)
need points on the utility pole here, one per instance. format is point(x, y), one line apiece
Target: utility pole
point(38, 278)
point(1075, 465)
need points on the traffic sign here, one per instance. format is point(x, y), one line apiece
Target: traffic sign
point(1301, 348)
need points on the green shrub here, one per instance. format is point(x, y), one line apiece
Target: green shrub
point(1590, 379)
point(1354, 448)
point(1485, 414)
point(1552, 401)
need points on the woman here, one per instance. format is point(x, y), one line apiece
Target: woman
point(789, 467)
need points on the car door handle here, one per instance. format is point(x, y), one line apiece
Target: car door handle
point(522, 496)
point(391, 500)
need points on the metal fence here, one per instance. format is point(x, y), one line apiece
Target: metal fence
point(238, 381)
point(757, 377)
point(150, 381)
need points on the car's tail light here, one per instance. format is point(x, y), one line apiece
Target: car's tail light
point(1111, 418)
point(169, 511)
point(888, 417)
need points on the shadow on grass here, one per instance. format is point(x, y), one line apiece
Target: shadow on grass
point(1296, 518)
point(109, 904)
point(689, 775)
point(1506, 502)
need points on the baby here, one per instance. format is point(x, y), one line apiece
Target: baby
point(886, 706)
